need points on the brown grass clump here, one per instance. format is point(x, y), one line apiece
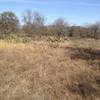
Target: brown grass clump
point(43, 70)
point(85, 84)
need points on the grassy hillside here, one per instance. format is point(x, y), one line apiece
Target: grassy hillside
point(44, 70)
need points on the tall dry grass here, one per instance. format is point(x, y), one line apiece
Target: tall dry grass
point(44, 70)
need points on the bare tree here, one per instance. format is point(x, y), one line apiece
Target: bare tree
point(33, 22)
point(28, 22)
point(28, 17)
point(59, 27)
point(94, 30)
point(39, 19)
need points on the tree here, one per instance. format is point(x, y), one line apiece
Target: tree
point(59, 27)
point(9, 23)
point(94, 30)
point(27, 22)
point(39, 20)
point(33, 22)
point(28, 17)
point(71, 31)
point(39, 24)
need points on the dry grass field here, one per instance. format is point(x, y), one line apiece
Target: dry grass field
point(44, 70)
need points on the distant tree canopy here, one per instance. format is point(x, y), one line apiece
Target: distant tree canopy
point(8, 23)
point(87, 31)
point(34, 25)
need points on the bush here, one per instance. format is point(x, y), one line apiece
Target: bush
point(16, 38)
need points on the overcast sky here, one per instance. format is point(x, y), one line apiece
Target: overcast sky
point(74, 11)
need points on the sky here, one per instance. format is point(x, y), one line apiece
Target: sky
point(73, 11)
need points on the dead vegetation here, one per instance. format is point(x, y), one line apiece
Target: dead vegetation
point(44, 70)
point(85, 53)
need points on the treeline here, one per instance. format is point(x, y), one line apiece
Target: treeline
point(34, 25)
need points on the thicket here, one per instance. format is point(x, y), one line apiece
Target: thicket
point(33, 25)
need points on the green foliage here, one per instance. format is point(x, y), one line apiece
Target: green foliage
point(16, 38)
